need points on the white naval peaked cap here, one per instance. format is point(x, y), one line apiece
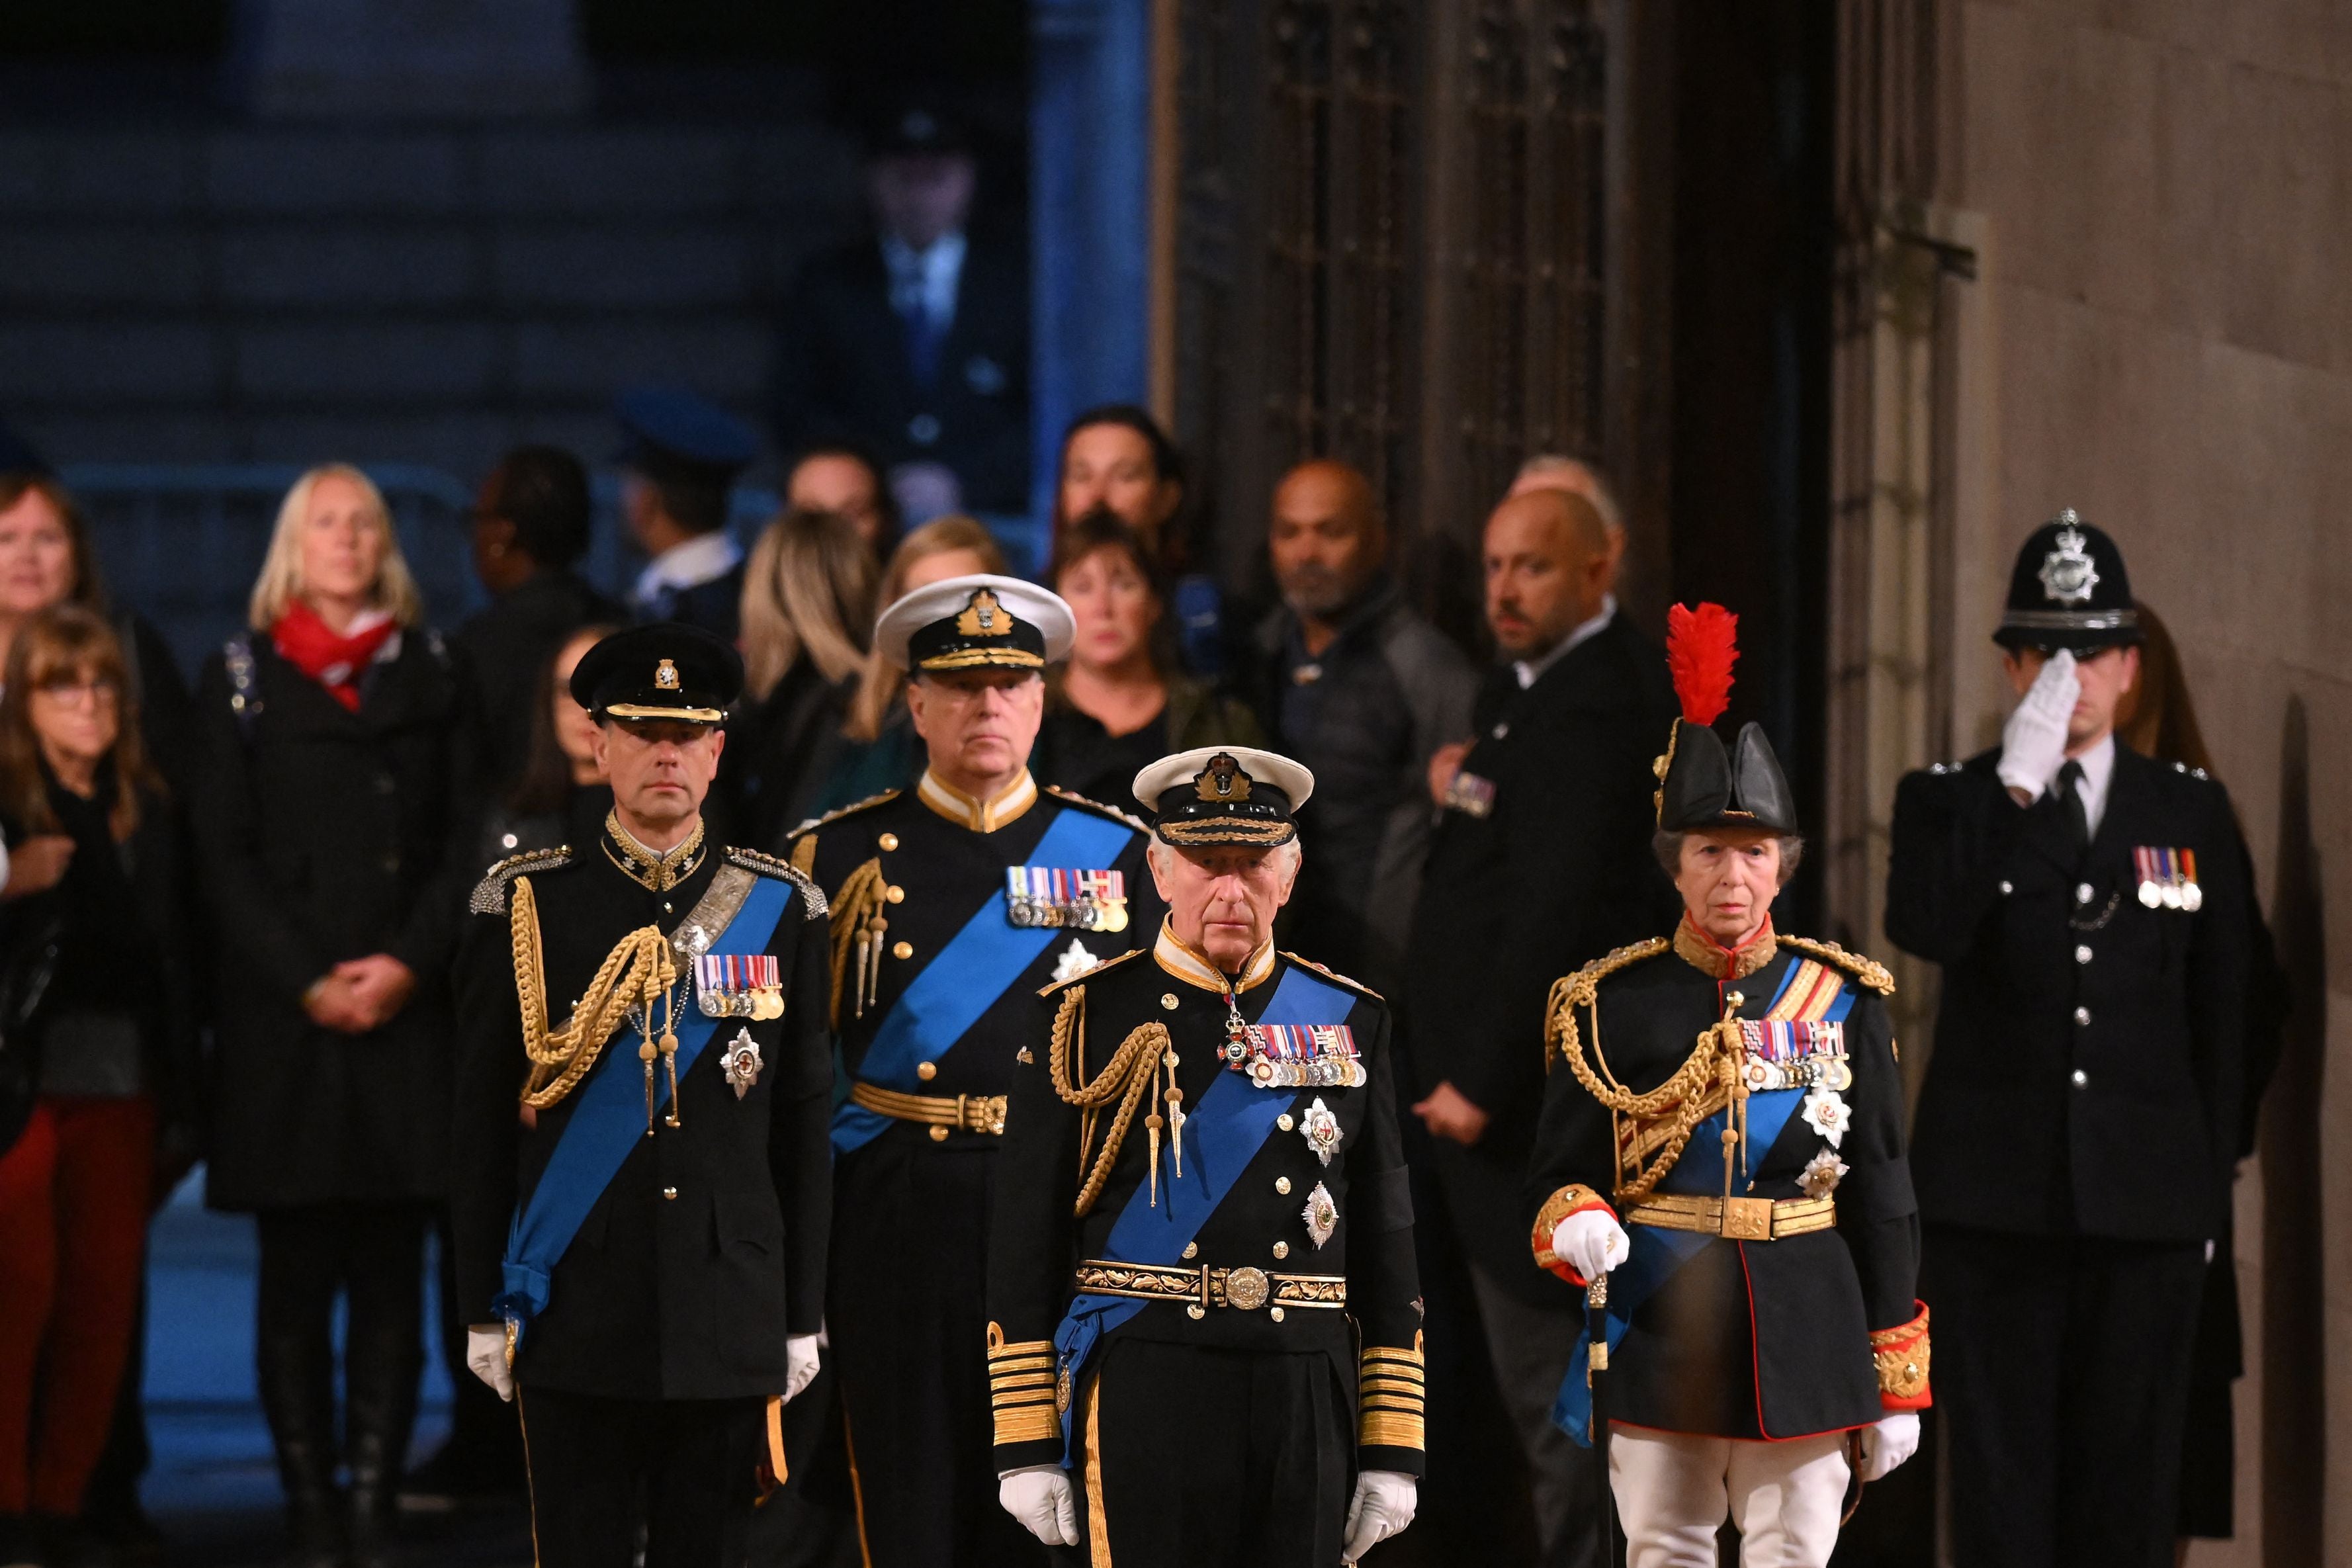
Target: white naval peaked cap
point(976, 622)
point(1225, 794)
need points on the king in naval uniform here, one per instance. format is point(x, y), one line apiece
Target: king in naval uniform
point(641, 1188)
point(1722, 1144)
point(953, 903)
point(1205, 1341)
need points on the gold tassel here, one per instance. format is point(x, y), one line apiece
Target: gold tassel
point(645, 1053)
point(1151, 1125)
point(669, 1060)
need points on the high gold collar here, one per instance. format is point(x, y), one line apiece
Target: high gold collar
point(651, 869)
point(1702, 951)
point(1193, 967)
point(971, 811)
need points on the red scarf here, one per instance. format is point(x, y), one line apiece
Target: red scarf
point(334, 659)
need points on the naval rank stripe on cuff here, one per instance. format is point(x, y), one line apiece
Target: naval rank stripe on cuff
point(1022, 1389)
point(1390, 1395)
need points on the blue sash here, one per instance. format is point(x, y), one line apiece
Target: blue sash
point(1656, 1253)
point(1222, 1135)
point(978, 966)
point(608, 1119)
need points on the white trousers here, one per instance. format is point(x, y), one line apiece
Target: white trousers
point(1672, 1492)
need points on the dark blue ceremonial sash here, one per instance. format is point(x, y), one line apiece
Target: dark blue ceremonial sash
point(978, 963)
point(608, 1119)
point(1222, 1135)
point(1655, 1254)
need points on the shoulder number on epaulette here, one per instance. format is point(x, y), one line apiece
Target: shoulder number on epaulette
point(1115, 959)
point(1075, 798)
point(812, 902)
point(490, 893)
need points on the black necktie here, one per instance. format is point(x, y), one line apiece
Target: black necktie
point(2070, 801)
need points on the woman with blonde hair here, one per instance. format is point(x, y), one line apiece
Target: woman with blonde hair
point(881, 752)
point(808, 602)
point(331, 760)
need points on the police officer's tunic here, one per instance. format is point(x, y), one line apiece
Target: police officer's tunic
point(1222, 1416)
point(662, 1332)
point(933, 988)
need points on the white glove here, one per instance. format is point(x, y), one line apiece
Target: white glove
point(1886, 1445)
point(2033, 741)
point(1591, 1242)
point(1039, 1496)
point(1383, 1506)
point(800, 1363)
point(485, 1354)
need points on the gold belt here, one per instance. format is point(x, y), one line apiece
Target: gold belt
point(970, 1112)
point(1736, 1219)
point(1247, 1289)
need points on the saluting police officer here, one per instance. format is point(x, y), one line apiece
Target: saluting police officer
point(953, 903)
point(1210, 1134)
point(642, 1184)
point(2079, 1120)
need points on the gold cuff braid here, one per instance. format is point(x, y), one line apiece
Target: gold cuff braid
point(1902, 1355)
point(1390, 1392)
point(1024, 1391)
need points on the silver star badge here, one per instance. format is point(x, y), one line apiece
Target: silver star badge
point(2068, 573)
point(741, 1063)
point(1321, 1131)
point(1073, 961)
point(1321, 1215)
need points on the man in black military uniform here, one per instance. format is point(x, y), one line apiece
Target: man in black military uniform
point(1722, 1140)
point(2076, 1130)
point(953, 903)
point(641, 1191)
point(677, 485)
point(1211, 1136)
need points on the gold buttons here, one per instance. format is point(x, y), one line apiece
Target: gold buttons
point(1283, 1122)
point(896, 894)
point(1192, 1249)
point(927, 1070)
point(670, 1192)
point(1275, 1313)
point(1168, 1000)
point(902, 950)
point(938, 1134)
point(889, 841)
point(1282, 1185)
point(1194, 1311)
point(1281, 1250)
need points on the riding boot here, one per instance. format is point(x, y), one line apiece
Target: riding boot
point(294, 1362)
point(383, 1356)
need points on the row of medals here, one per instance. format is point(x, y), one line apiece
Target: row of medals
point(2181, 895)
point(756, 1003)
point(1243, 1052)
point(1078, 914)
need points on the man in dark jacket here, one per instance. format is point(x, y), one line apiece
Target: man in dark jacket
point(1540, 864)
point(678, 484)
point(917, 339)
point(1362, 690)
point(2079, 1121)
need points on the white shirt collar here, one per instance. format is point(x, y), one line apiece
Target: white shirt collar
point(702, 559)
point(1529, 671)
point(927, 277)
point(2098, 772)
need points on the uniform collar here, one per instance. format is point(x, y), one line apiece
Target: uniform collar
point(971, 811)
point(1193, 967)
point(652, 870)
point(1528, 671)
point(1718, 962)
point(689, 564)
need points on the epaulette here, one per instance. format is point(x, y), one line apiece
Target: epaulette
point(1073, 799)
point(1335, 974)
point(2198, 773)
point(1571, 991)
point(1052, 985)
point(1868, 971)
point(837, 812)
point(490, 893)
point(812, 896)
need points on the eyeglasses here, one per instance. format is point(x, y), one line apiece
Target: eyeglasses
point(97, 689)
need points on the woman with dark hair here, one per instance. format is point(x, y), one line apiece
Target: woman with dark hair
point(1117, 457)
point(1119, 703)
point(95, 984)
point(844, 478)
point(332, 766)
point(561, 796)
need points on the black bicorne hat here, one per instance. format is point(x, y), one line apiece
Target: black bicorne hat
point(1701, 782)
point(2068, 591)
point(668, 671)
point(1225, 794)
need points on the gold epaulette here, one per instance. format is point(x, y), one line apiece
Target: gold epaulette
point(1334, 974)
point(838, 812)
point(1574, 991)
point(490, 897)
point(1868, 971)
point(1100, 965)
point(813, 899)
point(1075, 798)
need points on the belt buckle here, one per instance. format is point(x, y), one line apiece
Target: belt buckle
point(1747, 1220)
point(1246, 1288)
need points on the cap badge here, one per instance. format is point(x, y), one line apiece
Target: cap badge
point(665, 675)
point(979, 616)
point(2068, 573)
point(1223, 780)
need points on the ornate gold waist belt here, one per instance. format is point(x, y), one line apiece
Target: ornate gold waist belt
point(1245, 1289)
point(969, 1112)
point(1736, 1219)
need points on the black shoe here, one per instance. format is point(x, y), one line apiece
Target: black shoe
point(463, 1475)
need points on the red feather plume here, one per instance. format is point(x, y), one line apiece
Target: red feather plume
point(1701, 645)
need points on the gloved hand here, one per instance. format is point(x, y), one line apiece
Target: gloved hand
point(2033, 741)
point(485, 1354)
point(1383, 1506)
point(1894, 1439)
point(800, 1363)
point(1591, 1242)
point(1039, 1496)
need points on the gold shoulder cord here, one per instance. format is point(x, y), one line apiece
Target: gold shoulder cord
point(1869, 972)
point(640, 971)
point(858, 927)
point(1134, 1067)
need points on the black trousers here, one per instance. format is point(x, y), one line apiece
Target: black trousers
point(2063, 1371)
point(683, 1470)
point(1194, 1458)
